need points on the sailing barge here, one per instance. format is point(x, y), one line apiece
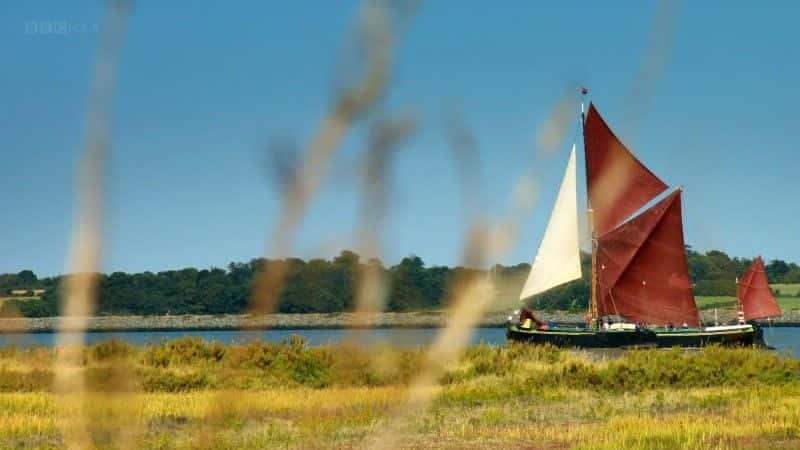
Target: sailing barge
point(641, 292)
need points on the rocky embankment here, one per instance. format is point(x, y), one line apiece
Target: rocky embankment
point(237, 322)
point(297, 321)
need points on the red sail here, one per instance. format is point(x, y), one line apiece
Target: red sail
point(642, 272)
point(618, 184)
point(755, 295)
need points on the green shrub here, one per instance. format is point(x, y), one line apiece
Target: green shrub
point(289, 361)
point(520, 369)
point(185, 350)
point(649, 369)
point(715, 287)
point(172, 381)
point(489, 360)
point(113, 349)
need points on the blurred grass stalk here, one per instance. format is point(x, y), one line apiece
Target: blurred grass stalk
point(386, 135)
point(81, 286)
point(653, 66)
point(471, 295)
point(376, 35)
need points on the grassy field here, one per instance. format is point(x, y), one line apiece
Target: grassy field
point(789, 290)
point(188, 394)
point(724, 302)
point(717, 301)
point(21, 299)
point(789, 303)
point(787, 299)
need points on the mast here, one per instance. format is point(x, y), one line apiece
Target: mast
point(739, 306)
point(590, 216)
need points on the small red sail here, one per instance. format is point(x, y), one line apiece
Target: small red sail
point(755, 295)
point(618, 183)
point(642, 272)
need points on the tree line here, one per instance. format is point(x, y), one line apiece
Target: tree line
point(320, 285)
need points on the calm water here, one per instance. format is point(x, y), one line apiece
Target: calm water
point(784, 339)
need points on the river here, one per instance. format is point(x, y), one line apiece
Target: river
point(783, 339)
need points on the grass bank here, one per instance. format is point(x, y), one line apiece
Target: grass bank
point(192, 394)
point(705, 303)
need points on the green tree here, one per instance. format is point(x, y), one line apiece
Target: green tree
point(407, 292)
point(27, 278)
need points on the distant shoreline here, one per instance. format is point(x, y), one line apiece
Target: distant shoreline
point(423, 319)
point(240, 322)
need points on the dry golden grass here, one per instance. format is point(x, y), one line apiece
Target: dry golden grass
point(755, 417)
point(530, 397)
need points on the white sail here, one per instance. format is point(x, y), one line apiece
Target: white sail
point(558, 260)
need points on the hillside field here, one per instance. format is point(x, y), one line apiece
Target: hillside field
point(787, 299)
point(789, 290)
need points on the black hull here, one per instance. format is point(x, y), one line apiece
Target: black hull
point(737, 338)
point(585, 339)
point(637, 338)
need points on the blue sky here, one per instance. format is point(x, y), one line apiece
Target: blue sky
point(203, 88)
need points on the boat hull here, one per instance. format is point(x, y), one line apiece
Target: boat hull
point(584, 339)
point(744, 336)
point(749, 336)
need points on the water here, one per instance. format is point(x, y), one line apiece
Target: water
point(784, 339)
point(403, 337)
